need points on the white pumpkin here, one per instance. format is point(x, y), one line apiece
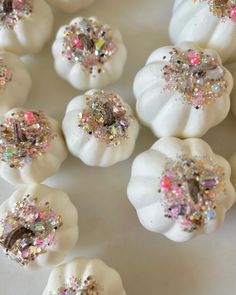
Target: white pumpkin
point(180, 188)
point(32, 147)
point(173, 99)
point(38, 226)
point(25, 25)
point(100, 128)
point(89, 54)
point(195, 22)
point(84, 276)
point(70, 6)
point(15, 82)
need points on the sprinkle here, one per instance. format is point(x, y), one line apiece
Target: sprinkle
point(24, 235)
point(12, 11)
point(192, 187)
point(224, 9)
point(105, 118)
point(24, 136)
point(76, 286)
point(5, 75)
point(88, 43)
point(198, 76)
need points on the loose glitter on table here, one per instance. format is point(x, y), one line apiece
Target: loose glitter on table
point(76, 286)
point(24, 136)
point(198, 76)
point(12, 11)
point(89, 43)
point(5, 75)
point(224, 9)
point(190, 189)
point(29, 229)
point(105, 117)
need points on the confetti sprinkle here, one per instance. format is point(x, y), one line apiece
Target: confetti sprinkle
point(12, 11)
point(105, 118)
point(224, 9)
point(5, 75)
point(198, 76)
point(24, 136)
point(28, 230)
point(190, 189)
point(75, 286)
point(88, 43)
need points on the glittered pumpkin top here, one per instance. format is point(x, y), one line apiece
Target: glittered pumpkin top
point(89, 43)
point(29, 229)
point(224, 9)
point(190, 189)
point(12, 11)
point(199, 77)
point(24, 136)
point(6, 75)
point(76, 286)
point(105, 117)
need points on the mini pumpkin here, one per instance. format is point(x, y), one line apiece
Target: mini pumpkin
point(25, 25)
point(70, 6)
point(180, 188)
point(84, 276)
point(209, 23)
point(89, 54)
point(182, 91)
point(15, 82)
point(100, 128)
point(38, 226)
point(32, 147)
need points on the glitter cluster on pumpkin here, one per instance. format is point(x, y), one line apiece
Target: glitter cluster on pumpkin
point(5, 75)
point(76, 286)
point(12, 11)
point(29, 229)
point(224, 9)
point(24, 136)
point(199, 77)
point(105, 118)
point(89, 43)
point(190, 189)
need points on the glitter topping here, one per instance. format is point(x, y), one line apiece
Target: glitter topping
point(88, 43)
point(24, 136)
point(76, 286)
point(198, 76)
point(28, 230)
point(11, 11)
point(224, 9)
point(5, 75)
point(105, 118)
point(190, 190)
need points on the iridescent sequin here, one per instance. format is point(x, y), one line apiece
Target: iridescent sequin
point(190, 189)
point(224, 9)
point(105, 118)
point(24, 136)
point(76, 286)
point(29, 229)
point(89, 43)
point(199, 77)
point(12, 11)
point(5, 75)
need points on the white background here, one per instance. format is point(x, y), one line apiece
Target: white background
point(148, 263)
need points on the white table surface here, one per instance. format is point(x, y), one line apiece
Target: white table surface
point(109, 228)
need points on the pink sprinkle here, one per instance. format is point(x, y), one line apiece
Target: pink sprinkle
point(233, 14)
point(78, 43)
point(165, 183)
point(29, 116)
